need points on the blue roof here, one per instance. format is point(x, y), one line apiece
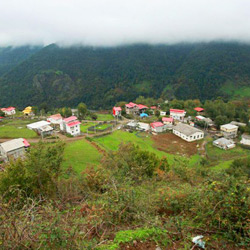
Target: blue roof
point(143, 115)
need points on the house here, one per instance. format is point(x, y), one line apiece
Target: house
point(206, 120)
point(239, 124)
point(13, 149)
point(187, 132)
point(71, 125)
point(158, 127)
point(42, 128)
point(55, 119)
point(117, 111)
point(198, 109)
point(134, 109)
point(177, 114)
point(167, 120)
point(224, 143)
point(132, 125)
point(28, 111)
point(74, 112)
point(1, 118)
point(245, 139)
point(143, 126)
point(131, 108)
point(162, 113)
point(142, 108)
point(229, 131)
point(9, 111)
point(153, 108)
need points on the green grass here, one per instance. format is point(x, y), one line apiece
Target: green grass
point(105, 117)
point(84, 127)
point(234, 91)
point(221, 159)
point(112, 142)
point(15, 128)
point(104, 126)
point(79, 154)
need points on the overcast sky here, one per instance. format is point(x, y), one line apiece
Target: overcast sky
point(115, 22)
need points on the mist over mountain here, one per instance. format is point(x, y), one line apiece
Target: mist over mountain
point(102, 76)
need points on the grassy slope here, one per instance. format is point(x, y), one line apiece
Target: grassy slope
point(16, 129)
point(79, 154)
point(112, 142)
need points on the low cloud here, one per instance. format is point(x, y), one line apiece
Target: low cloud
point(115, 22)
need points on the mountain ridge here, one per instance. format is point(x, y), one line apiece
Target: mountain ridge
point(102, 76)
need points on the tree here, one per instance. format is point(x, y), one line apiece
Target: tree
point(220, 120)
point(157, 113)
point(82, 110)
point(93, 116)
point(2, 113)
point(37, 174)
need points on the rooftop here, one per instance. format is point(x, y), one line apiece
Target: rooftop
point(56, 117)
point(14, 144)
point(229, 126)
point(72, 124)
point(223, 142)
point(156, 124)
point(70, 119)
point(186, 129)
point(37, 125)
point(198, 109)
point(177, 110)
point(117, 108)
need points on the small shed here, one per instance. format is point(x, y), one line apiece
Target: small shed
point(158, 127)
point(245, 139)
point(224, 143)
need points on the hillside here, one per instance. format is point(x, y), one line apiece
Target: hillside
point(102, 76)
point(11, 57)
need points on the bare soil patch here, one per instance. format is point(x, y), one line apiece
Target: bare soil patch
point(173, 144)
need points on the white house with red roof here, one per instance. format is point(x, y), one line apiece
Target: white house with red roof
point(167, 120)
point(9, 110)
point(71, 125)
point(117, 111)
point(135, 109)
point(55, 119)
point(158, 127)
point(13, 149)
point(177, 114)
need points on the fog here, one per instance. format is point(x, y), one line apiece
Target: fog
point(115, 22)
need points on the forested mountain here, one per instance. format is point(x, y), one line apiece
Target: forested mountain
point(12, 56)
point(102, 76)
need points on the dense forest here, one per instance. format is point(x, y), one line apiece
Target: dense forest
point(100, 77)
point(13, 56)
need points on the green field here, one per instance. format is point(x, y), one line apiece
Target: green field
point(143, 140)
point(16, 128)
point(105, 117)
point(221, 159)
point(84, 127)
point(79, 154)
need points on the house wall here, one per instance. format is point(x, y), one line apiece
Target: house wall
point(245, 141)
point(194, 137)
point(75, 130)
point(229, 134)
point(158, 129)
point(177, 116)
point(14, 154)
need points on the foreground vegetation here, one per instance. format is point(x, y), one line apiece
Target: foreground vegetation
point(132, 197)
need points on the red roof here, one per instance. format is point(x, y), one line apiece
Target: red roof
point(56, 116)
point(26, 143)
point(1, 117)
point(70, 119)
point(153, 107)
point(117, 108)
point(198, 109)
point(156, 124)
point(130, 105)
point(177, 110)
point(141, 106)
point(72, 124)
point(8, 109)
point(167, 119)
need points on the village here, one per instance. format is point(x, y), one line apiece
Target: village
point(173, 132)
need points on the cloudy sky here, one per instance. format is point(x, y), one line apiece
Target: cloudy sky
point(115, 22)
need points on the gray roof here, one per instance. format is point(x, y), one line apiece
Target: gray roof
point(223, 142)
point(186, 129)
point(12, 145)
point(46, 128)
point(245, 136)
point(241, 124)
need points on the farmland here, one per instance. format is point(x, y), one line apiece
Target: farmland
point(79, 154)
point(15, 129)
